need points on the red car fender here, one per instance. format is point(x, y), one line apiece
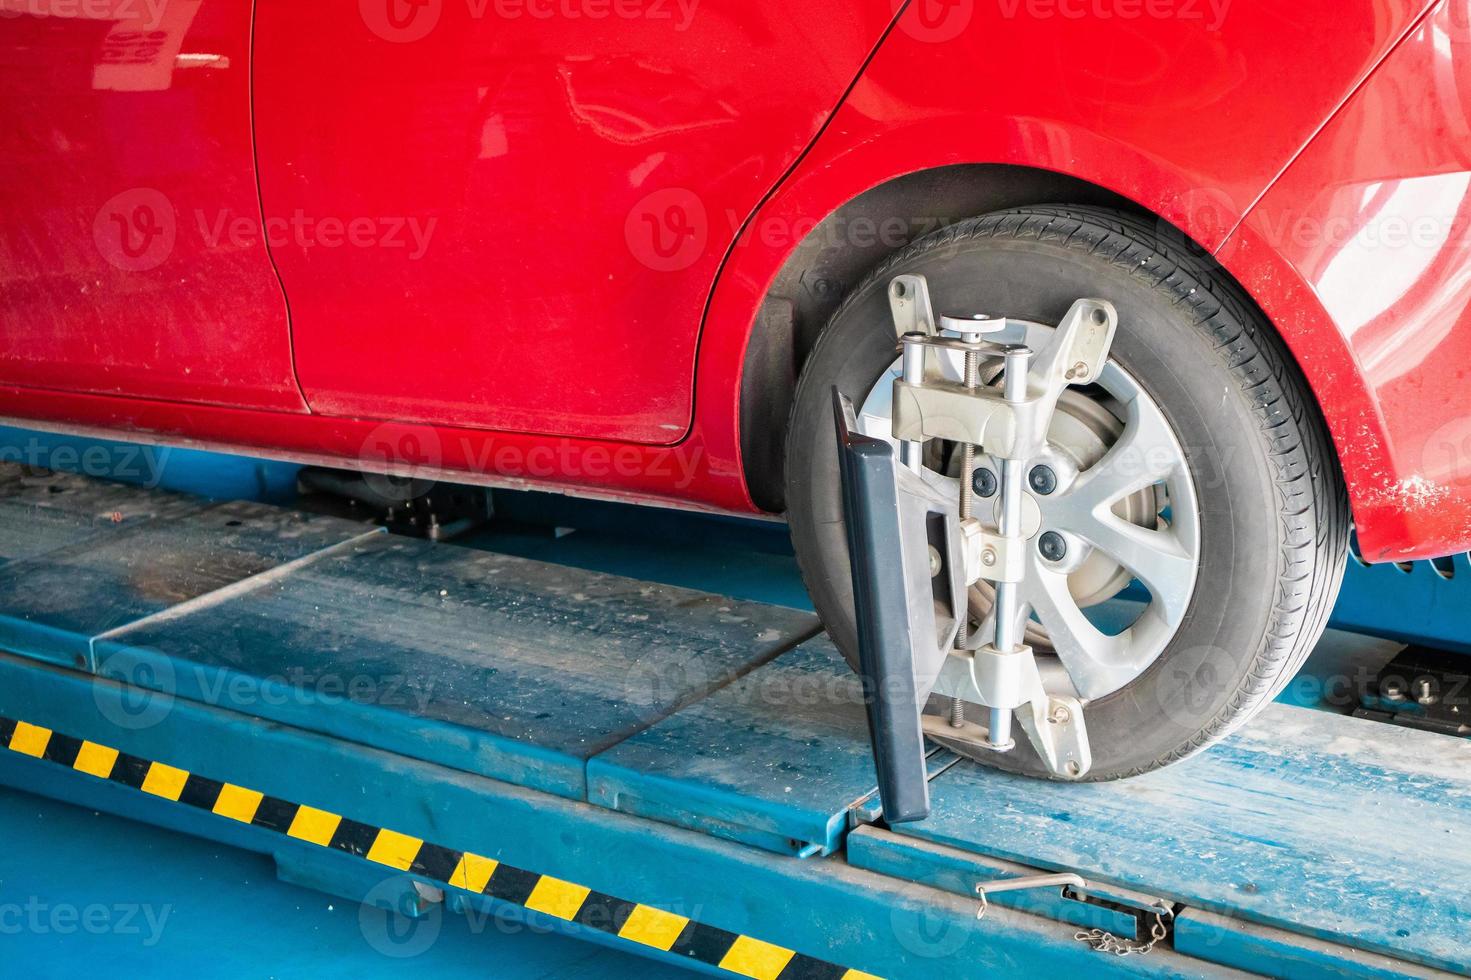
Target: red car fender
point(898, 120)
point(1361, 253)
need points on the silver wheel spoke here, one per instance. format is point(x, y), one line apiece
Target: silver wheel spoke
point(1163, 559)
point(1096, 662)
point(1155, 558)
point(1090, 656)
point(986, 629)
point(1145, 455)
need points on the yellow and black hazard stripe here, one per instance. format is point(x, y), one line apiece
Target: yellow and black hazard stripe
point(642, 924)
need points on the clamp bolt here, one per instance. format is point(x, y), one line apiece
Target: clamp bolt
point(988, 557)
point(983, 482)
point(1042, 479)
point(1060, 715)
point(1052, 546)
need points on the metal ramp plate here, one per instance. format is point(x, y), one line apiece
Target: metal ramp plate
point(1327, 826)
point(482, 662)
point(777, 759)
point(42, 512)
point(88, 557)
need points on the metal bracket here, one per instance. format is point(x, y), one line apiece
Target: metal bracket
point(1054, 724)
point(1011, 424)
point(909, 302)
point(991, 556)
point(937, 409)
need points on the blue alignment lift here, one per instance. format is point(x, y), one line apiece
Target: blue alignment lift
point(667, 770)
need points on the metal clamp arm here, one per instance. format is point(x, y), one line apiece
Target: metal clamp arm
point(929, 408)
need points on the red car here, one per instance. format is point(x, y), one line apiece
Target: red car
point(628, 247)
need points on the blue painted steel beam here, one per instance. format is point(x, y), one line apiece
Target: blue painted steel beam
point(822, 908)
point(83, 888)
point(1417, 602)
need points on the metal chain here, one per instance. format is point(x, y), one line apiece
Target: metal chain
point(1103, 941)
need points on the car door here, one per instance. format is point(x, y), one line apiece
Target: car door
point(508, 213)
point(131, 256)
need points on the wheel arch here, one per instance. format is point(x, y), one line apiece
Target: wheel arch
point(837, 254)
point(839, 251)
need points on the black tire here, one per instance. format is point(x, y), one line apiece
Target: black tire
point(1274, 516)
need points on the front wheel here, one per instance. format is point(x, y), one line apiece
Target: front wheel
point(1187, 539)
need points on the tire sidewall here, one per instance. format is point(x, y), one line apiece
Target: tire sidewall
point(1166, 711)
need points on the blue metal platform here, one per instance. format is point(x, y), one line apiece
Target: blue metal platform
point(658, 768)
point(486, 663)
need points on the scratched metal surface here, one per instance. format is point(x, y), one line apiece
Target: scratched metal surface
point(775, 759)
point(94, 556)
point(488, 663)
point(1331, 826)
point(42, 511)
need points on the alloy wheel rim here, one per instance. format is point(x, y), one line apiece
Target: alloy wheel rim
point(1131, 499)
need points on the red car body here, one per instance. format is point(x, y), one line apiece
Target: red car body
point(532, 240)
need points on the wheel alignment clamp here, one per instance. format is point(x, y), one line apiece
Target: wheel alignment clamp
point(643, 924)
